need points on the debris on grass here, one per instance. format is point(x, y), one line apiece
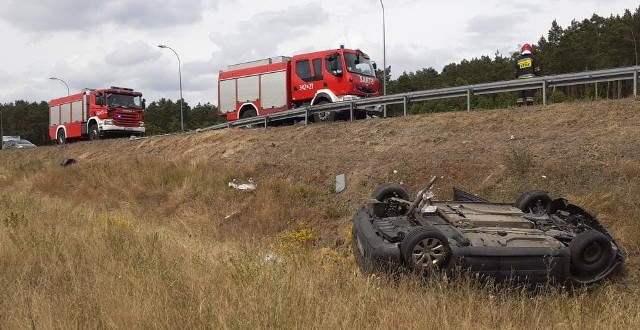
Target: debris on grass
point(67, 162)
point(341, 183)
point(248, 186)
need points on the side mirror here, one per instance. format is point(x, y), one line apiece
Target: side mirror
point(375, 66)
point(144, 104)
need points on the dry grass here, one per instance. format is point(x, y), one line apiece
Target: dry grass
point(147, 234)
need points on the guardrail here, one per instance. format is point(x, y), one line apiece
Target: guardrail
point(627, 73)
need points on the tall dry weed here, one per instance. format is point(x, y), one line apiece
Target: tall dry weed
point(145, 234)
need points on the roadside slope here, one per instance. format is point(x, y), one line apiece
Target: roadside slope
point(572, 149)
point(147, 233)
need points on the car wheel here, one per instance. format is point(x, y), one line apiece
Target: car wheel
point(62, 138)
point(385, 192)
point(591, 253)
point(534, 201)
point(425, 249)
point(93, 133)
point(324, 116)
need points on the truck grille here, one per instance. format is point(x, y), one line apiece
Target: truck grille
point(127, 119)
point(365, 89)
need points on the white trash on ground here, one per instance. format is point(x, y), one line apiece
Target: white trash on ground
point(341, 183)
point(248, 186)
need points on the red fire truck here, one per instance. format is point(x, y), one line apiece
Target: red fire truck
point(281, 83)
point(95, 113)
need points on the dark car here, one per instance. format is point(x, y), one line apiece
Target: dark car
point(17, 144)
point(534, 240)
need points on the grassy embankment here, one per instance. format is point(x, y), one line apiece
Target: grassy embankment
point(148, 234)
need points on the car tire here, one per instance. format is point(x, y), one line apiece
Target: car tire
point(534, 201)
point(591, 253)
point(61, 137)
point(386, 191)
point(425, 249)
point(94, 134)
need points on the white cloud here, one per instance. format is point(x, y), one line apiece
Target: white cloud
point(129, 54)
point(80, 15)
point(115, 42)
point(259, 36)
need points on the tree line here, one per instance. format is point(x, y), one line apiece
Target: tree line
point(30, 121)
point(591, 44)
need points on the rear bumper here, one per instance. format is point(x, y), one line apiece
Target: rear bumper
point(376, 252)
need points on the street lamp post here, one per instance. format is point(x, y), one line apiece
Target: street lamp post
point(384, 61)
point(635, 48)
point(1, 131)
point(180, 77)
point(54, 78)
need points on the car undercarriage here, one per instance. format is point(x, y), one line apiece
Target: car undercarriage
point(534, 240)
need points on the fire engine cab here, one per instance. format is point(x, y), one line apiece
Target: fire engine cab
point(282, 83)
point(95, 113)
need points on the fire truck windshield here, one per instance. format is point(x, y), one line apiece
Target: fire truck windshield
point(359, 64)
point(124, 100)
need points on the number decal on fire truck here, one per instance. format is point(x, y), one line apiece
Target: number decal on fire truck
point(366, 80)
point(305, 87)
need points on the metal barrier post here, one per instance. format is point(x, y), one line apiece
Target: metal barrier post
point(306, 116)
point(544, 92)
point(469, 99)
point(635, 83)
point(266, 119)
point(405, 104)
point(351, 111)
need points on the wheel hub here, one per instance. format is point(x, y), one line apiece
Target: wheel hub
point(428, 253)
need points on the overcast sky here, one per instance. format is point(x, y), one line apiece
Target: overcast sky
point(98, 44)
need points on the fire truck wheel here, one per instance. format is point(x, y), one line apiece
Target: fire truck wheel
point(93, 132)
point(359, 115)
point(62, 138)
point(249, 113)
point(325, 115)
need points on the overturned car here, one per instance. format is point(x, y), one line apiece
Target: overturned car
point(534, 240)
